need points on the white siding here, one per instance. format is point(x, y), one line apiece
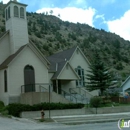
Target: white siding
point(3, 94)
point(18, 29)
point(50, 76)
point(79, 60)
point(18, 33)
point(76, 60)
point(16, 71)
point(65, 85)
point(126, 86)
point(67, 73)
point(4, 48)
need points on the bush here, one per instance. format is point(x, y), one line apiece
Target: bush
point(1, 106)
point(16, 108)
point(95, 102)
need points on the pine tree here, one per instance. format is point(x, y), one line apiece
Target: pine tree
point(99, 77)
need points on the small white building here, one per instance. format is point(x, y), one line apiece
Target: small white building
point(125, 87)
point(25, 73)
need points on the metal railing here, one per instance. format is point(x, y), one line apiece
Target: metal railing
point(38, 87)
point(72, 91)
point(84, 95)
point(66, 94)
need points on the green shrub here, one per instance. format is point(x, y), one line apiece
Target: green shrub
point(1, 106)
point(95, 102)
point(16, 108)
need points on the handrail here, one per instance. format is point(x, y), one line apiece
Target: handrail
point(72, 90)
point(69, 94)
point(82, 92)
point(33, 87)
point(86, 92)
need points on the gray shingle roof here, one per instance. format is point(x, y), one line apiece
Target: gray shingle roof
point(66, 54)
point(60, 66)
point(58, 60)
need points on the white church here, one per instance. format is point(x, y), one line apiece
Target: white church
point(26, 74)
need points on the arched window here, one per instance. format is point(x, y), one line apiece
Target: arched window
point(16, 11)
point(80, 72)
point(5, 81)
point(21, 12)
point(29, 78)
point(8, 12)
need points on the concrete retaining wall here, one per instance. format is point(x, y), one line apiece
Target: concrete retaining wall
point(106, 110)
point(83, 111)
point(38, 97)
point(67, 112)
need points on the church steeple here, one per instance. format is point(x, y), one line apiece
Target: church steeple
point(16, 23)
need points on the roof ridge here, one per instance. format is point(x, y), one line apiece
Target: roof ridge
point(64, 54)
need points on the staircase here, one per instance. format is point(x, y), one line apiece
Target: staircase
point(69, 96)
point(77, 95)
point(82, 95)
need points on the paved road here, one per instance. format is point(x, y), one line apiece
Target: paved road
point(24, 124)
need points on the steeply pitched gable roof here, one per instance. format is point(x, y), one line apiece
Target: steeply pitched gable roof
point(33, 47)
point(10, 58)
point(60, 58)
point(61, 66)
point(38, 52)
point(125, 82)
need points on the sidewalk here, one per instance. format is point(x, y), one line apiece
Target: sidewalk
point(93, 118)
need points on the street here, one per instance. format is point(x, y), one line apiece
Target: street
point(25, 124)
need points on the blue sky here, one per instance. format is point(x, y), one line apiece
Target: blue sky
point(110, 15)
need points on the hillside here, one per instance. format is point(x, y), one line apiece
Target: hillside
point(51, 35)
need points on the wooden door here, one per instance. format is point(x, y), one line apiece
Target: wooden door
point(29, 79)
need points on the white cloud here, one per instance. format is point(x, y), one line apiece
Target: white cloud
point(73, 14)
point(5, 1)
point(121, 26)
point(100, 16)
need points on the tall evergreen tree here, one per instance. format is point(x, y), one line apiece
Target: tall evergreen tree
point(98, 76)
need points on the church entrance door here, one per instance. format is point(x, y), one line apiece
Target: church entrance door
point(29, 79)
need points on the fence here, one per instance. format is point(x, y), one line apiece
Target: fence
point(120, 99)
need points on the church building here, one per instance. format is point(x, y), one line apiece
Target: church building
point(24, 69)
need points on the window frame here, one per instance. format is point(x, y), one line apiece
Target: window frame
point(5, 81)
point(81, 82)
point(8, 12)
point(16, 11)
point(22, 15)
